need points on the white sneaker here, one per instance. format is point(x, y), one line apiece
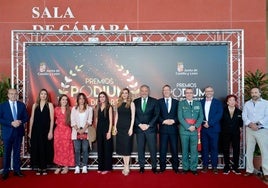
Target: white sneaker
point(77, 170)
point(84, 169)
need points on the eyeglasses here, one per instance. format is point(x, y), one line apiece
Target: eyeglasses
point(12, 93)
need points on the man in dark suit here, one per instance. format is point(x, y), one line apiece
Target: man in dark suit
point(13, 116)
point(145, 126)
point(168, 128)
point(213, 110)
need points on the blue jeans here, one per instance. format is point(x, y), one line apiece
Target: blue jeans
point(77, 149)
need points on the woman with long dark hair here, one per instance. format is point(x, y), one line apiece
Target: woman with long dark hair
point(81, 119)
point(103, 120)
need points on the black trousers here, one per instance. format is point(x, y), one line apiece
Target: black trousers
point(234, 141)
point(166, 140)
point(142, 140)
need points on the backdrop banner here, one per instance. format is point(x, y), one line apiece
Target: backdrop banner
point(71, 69)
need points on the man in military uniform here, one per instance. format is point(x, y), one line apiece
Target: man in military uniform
point(190, 115)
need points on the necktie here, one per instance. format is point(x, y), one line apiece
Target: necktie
point(144, 105)
point(167, 104)
point(190, 104)
point(14, 112)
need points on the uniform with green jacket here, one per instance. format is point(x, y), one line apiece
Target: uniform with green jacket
point(189, 115)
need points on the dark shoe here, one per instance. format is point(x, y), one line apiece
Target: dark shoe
point(154, 170)
point(248, 174)
point(184, 171)
point(141, 170)
point(236, 171)
point(19, 174)
point(226, 171)
point(205, 169)
point(176, 171)
point(162, 170)
point(195, 172)
point(215, 171)
point(4, 176)
point(265, 178)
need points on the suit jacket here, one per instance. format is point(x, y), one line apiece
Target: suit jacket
point(231, 125)
point(187, 112)
point(172, 114)
point(214, 116)
point(150, 116)
point(6, 118)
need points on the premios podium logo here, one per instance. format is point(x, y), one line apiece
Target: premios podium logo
point(92, 86)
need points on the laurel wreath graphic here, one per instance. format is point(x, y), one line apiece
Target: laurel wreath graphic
point(68, 79)
point(132, 83)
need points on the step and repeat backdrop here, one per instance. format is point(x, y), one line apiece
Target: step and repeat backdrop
point(71, 69)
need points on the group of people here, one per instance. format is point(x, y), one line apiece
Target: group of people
point(60, 135)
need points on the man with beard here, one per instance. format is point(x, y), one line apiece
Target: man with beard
point(255, 117)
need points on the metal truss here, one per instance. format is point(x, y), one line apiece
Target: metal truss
point(233, 37)
point(118, 161)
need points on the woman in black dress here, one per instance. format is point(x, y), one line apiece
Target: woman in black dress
point(41, 133)
point(124, 121)
point(231, 124)
point(103, 120)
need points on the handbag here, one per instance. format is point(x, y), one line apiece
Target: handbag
point(114, 132)
point(91, 134)
point(81, 136)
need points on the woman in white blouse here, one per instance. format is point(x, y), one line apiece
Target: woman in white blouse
point(81, 119)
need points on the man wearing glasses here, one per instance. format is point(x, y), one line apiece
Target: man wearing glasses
point(190, 115)
point(213, 110)
point(13, 116)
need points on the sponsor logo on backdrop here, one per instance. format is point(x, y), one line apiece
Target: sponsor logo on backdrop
point(179, 89)
point(45, 71)
point(180, 67)
point(183, 70)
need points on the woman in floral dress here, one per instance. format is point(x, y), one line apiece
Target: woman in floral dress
point(63, 145)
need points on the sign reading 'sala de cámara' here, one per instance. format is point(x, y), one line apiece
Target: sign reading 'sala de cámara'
point(67, 15)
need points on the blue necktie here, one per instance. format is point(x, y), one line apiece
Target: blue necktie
point(167, 104)
point(14, 112)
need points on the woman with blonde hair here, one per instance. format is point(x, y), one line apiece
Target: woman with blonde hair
point(124, 121)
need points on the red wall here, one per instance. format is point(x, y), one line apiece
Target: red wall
point(141, 14)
